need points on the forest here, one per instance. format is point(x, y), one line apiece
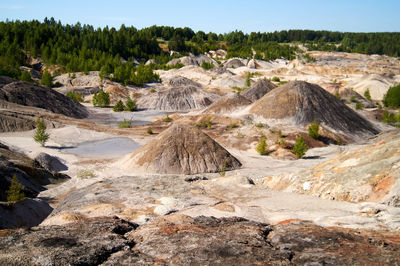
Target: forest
point(115, 52)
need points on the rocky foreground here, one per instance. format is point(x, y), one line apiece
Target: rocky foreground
point(181, 240)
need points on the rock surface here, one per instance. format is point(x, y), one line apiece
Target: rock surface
point(181, 149)
point(181, 240)
point(305, 102)
point(179, 81)
point(258, 90)
point(28, 94)
point(50, 163)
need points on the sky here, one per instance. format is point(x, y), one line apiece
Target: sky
point(220, 16)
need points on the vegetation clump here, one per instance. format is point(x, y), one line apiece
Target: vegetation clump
point(262, 146)
point(367, 95)
point(130, 105)
point(46, 80)
point(75, 96)
point(149, 131)
point(167, 119)
point(25, 76)
point(119, 106)
point(125, 123)
point(359, 106)
point(206, 65)
point(392, 97)
point(313, 130)
point(40, 134)
point(300, 147)
point(276, 79)
point(101, 99)
point(15, 193)
point(204, 123)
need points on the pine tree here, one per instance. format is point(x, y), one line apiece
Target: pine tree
point(14, 193)
point(262, 146)
point(46, 80)
point(40, 134)
point(119, 106)
point(313, 130)
point(300, 147)
point(101, 99)
point(130, 105)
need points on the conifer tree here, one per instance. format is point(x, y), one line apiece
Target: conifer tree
point(14, 193)
point(40, 134)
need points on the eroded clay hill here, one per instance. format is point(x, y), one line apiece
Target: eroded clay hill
point(181, 149)
point(258, 90)
point(305, 102)
point(28, 94)
point(178, 99)
point(228, 103)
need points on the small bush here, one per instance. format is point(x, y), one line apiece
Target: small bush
point(46, 80)
point(359, 106)
point(85, 174)
point(392, 97)
point(207, 65)
point(300, 147)
point(262, 146)
point(40, 134)
point(75, 96)
point(130, 105)
point(223, 170)
point(152, 90)
point(119, 106)
point(101, 99)
point(282, 82)
point(25, 76)
point(233, 125)
point(149, 131)
point(260, 125)
point(313, 130)
point(167, 119)
point(337, 95)
point(367, 95)
point(353, 99)
point(125, 123)
point(14, 193)
point(276, 79)
point(248, 80)
point(238, 90)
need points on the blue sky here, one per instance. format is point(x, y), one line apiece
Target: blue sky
point(218, 15)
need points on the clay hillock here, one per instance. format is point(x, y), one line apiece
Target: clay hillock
point(228, 103)
point(181, 149)
point(305, 102)
point(192, 60)
point(347, 94)
point(179, 81)
point(258, 89)
point(235, 63)
point(28, 94)
point(178, 99)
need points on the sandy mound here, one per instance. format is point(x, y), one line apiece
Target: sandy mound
point(227, 103)
point(192, 60)
point(235, 63)
point(306, 102)
point(180, 81)
point(177, 99)
point(181, 149)
point(28, 94)
point(258, 90)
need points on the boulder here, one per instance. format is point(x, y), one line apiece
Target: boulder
point(258, 89)
point(228, 103)
point(50, 163)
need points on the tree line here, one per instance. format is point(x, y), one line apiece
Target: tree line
point(113, 51)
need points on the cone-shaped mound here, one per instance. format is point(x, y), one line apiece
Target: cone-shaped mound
point(179, 81)
point(181, 149)
point(227, 103)
point(258, 90)
point(178, 99)
point(305, 102)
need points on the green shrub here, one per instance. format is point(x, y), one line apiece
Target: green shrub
point(204, 123)
point(125, 123)
point(206, 65)
point(262, 146)
point(101, 99)
point(223, 170)
point(260, 125)
point(238, 90)
point(359, 106)
point(367, 95)
point(75, 96)
point(167, 119)
point(276, 79)
point(130, 105)
point(300, 147)
point(46, 80)
point(25, 76)
point(149, 131)
point(233, 125)
point(392, 97)
point(40, 134)
point(337, 95)
point(248, 80)
point(119, 106)
point(313, 130)
point(152, 90)
point(85, 174)
point(353, 99)
point(14, 192)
